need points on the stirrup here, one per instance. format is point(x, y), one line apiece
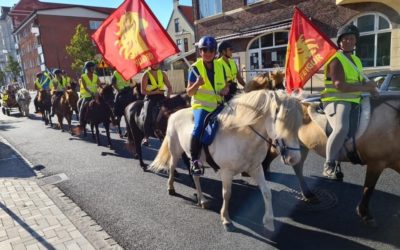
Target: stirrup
point(196, 168)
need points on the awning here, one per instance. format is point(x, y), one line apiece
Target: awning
point(256, 31)
point(394, 4)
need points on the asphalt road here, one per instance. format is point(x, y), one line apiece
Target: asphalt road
point(135, 209)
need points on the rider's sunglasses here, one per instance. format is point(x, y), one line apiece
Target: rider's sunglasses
point(209, 50)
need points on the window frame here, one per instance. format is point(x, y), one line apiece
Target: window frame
point(375, 32)
point(209, 2)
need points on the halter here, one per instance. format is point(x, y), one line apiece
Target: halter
point(278, 144)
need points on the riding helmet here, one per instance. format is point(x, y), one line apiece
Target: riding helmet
point(57, 71)
point(39, 74)
point(89, 64)
point(223, 46)
point(208, 42)
point(346, 30)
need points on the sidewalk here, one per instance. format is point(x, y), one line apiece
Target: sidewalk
point(29, 218)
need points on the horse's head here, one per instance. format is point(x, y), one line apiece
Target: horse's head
point(287, 115)
point(72, 98)
point(107, 95)
point(169, 106)
point(272, 80)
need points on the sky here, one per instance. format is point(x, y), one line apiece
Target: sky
point(161, 8)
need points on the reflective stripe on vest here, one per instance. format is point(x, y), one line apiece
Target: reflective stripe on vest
point(159, 84)
point(206, 97)
point(91, 85)
point(330, 93)
point(121, 83)
point(230, 69)
point(44, 83)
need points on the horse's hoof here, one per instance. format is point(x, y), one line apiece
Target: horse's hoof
point(171, 192)
point(311, 199)
point(144, 167)
point(229, 227)
point(205, 204)
point(366, 217)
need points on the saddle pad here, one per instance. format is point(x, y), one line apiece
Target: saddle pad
point(210, 127)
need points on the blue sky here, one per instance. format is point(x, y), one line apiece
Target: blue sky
point(161, 8)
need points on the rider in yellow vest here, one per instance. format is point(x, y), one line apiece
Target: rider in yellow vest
point(153, 86)
point(207, 85)
point(43, 81)
point(343, 86)
point(225, 50)
point(124, 92)
point(89, 83)
point(59, 85)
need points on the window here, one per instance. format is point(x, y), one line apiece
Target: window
point(179, 43)
point(373, 47)
point(94, 25)
point(394, 84)
point(268, 51)
point(186, 44)
point(176, 20)
point(253, 1)
point(209, 7)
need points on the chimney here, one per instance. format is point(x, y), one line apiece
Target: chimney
point(176, 3)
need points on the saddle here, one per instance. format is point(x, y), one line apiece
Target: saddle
point(209, 131)
point(359, 120)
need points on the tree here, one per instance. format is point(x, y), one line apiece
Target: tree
point(13, 67)
point(81, 48)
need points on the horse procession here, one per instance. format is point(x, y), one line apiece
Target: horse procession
point(225, 124)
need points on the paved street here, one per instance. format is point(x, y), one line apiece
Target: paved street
point(136, 210)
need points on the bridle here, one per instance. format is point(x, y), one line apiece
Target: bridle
point(279, 143)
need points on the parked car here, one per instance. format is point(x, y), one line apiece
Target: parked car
point(386, 80)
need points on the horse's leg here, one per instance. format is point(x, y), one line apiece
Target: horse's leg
point(92, 129)
point(226, 177)
point(60, 122)
point(107, 127)
point(49, 117)
point(298, 169)
point(171, 176)
point(201, 201)
point(97, 134)
point(118, 121)
point(374, 170)
point(258, 175)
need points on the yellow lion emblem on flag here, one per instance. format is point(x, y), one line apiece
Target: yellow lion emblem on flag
point(304, 49)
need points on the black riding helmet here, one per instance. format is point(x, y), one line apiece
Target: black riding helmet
point(223, 46)
point(89, 64)
point(346, 30)
point(57, 71)
point(39, 74)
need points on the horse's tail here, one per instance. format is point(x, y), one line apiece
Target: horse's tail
point(163, 158)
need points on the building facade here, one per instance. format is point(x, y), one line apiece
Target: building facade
point(44, 32)
point(258, 29)
point(7, 44)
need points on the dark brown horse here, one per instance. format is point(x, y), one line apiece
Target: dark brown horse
point(135, 123)
point(44, 105)
point(65, 107)
point(99, 111)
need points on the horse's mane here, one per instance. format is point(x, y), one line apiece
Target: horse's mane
point(245, 109)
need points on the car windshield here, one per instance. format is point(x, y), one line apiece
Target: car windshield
point(394, 84)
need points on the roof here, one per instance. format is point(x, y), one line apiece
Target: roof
point(187, 12)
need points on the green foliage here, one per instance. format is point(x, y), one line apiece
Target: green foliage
point(81, 48)
point(13, 67)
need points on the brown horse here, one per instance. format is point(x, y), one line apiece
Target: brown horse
point(99, 111)
point(384, 116)
point(135, 125)
point(44, 105)
point(65, 107)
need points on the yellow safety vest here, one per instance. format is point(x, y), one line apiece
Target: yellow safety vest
point(66, 81)
point(4, 97)
point(60, 84)
point(91, 85)
point(45, 83)
point(330, 93)
point(206, 97)
point(121, 83)
point(230, 69)
point(159, 84)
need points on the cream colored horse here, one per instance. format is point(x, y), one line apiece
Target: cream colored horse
point(248, 126)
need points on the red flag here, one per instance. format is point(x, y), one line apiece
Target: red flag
point(308, 49)
point(132, 38)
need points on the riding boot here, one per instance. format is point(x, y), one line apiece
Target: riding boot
point(332, 171)
point(195, 148)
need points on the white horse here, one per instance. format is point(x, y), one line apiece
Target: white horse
point(249, 125)
point(23, 99)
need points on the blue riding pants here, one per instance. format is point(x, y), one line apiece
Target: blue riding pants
point(199, 117)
